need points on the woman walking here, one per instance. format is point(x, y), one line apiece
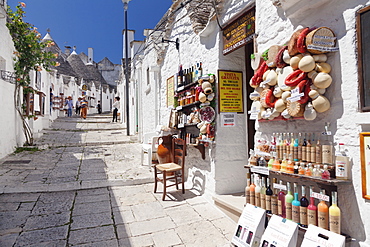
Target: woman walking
point(116, 105)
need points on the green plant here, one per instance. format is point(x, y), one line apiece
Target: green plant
point(30, 55)
point(30, 149)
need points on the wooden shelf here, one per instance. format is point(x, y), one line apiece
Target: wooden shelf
point(180, 107)
point(182, 88)
point(332, 182)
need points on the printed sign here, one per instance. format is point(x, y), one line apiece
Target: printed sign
point(170, 91)
point(228, 119)
point(250, 227)
point(230, 91)
point(316, 236)
point(280, 232)
point(239, 32)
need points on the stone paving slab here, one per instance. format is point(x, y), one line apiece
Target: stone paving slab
point(81, 190)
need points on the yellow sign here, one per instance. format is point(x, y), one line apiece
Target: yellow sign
point(170, 92)
point(84, 87)
point(230, 88)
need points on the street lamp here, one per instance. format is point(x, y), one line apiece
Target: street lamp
point(125, 7)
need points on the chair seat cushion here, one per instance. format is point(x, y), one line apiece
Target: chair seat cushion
point(168, 167)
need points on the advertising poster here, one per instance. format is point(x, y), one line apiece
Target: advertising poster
point(230, 88)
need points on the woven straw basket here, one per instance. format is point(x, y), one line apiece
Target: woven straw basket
point(322, 36)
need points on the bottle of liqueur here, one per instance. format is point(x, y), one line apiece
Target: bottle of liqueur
point(318, 151)
point(263, 193)
point(322, 213)
point(327, 148)
point(300, 143)
point(276, 165)
point(296, 206)
point(303, 209)
point(281, 202)
point(291, 145)
point(200, 69)
point(309, 170)
point(273, 143)
point(313, 149)
point(252, 158)
point(280, 147)
point(290, 165)
point(269, 193)
point(296, 167)
point(325, 174)
point(274, 200)
point(271, 160)
point(312, 211)
point(252, 191)
point(284, 164)
point(180, 76)
point(302, 169)
point(248, 189)
point(257, 191)
point(341, 163)
point(334, 214)
point(285, 144)
point(288, 202)
point(304, 151)
point(295, 149)
point(308, 148)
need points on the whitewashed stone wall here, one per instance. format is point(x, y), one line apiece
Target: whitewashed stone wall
point(10, 120)
point(274, 27)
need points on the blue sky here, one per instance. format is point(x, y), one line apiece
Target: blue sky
point(93, 23)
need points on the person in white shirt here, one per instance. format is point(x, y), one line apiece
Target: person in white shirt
point(116, 105)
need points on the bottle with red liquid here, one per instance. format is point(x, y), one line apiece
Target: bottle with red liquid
point(312, 211)
point(325, 174)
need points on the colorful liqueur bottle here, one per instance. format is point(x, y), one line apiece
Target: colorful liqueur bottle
point(274, 200)
point(269, 193)
point(257, 191)
point(334, 214)
point(304, 151)
point(252, 191)
point(248, 189)
point(312, 211)
point(288, 202)
point(283, 164)
point(271, 161)
point(322, 213)
point(281, 202)
point(296, 206)
point(263, 193)
point(290, 165)
point(300, 143)
point(303, 209)
point(295, 149)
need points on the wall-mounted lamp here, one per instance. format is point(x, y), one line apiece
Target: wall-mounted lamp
point(177, 42)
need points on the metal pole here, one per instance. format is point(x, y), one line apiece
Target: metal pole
point(126, 73)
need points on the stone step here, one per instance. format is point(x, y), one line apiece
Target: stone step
point(232, 205)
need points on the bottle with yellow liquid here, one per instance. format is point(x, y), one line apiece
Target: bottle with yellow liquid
point(283, 164)
point(334, 214)
point(290, 165)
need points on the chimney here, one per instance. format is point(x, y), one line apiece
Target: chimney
point(90, 55)
point(67, 51)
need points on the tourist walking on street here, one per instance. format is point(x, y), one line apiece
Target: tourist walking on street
point(83, 106)
point(69, 104)
point(116, 105)
point(78, 105)
point(99, 107)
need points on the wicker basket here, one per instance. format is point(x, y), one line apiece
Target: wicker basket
point(322, 37)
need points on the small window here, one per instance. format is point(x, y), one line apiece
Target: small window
point(147, 77)
point(363, 36)
point(28, 101)
point(39, 103)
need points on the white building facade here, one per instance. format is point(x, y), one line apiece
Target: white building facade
point(222, 171)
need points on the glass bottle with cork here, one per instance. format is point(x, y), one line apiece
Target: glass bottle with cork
point(312, 210)
point(269, 193)
point(334, 214)
point(288, 202)
point(248, 189)
point(327, 148)
point(296, 204)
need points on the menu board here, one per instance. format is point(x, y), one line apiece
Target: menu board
point(170, 92)
point(230, 88)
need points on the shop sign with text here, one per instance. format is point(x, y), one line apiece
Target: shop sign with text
point(239, 32)
point(230, 91)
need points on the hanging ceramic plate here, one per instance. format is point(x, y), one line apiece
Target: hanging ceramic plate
point(207, 114)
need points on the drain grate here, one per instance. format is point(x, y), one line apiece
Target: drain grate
point(16, 162)
point(116, 133)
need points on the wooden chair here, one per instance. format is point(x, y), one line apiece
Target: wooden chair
point(174, 170)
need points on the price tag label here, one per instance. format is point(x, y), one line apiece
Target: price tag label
point(295, 96)
point(254, 94)
point(320, 196)
point(279, 186)
point(254, 113)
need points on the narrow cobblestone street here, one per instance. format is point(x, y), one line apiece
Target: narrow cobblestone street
point(86, 187)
